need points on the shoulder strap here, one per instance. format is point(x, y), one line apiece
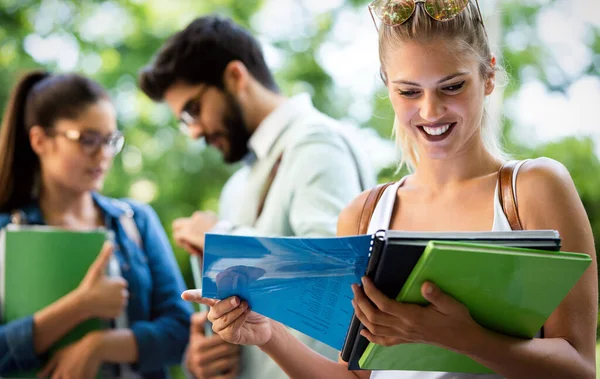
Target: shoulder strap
point(369, 207)
point(275, 168)
point(506, 194)
point(267, 186)
point(361, 181)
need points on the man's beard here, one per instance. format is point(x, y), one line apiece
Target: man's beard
point(237, 131)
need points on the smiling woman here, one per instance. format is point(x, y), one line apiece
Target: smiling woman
point(445, 108)
point(438, 69)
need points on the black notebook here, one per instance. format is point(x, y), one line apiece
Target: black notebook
point(394, 254)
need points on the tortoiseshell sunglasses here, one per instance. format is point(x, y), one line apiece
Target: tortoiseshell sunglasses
point(397, 12)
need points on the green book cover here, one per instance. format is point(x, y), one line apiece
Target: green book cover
point(512, 291)
point(39, 265)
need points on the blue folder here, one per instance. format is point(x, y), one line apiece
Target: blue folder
point(303, 283)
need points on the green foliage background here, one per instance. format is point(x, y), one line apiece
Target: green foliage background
point(178, 176)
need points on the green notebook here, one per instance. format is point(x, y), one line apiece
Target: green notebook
point(39, 265)
point(509, 290)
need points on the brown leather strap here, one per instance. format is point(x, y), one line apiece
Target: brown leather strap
point(507, 196)
point(267, 186)
point(369, 207)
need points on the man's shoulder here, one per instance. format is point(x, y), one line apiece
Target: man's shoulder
point(321, 129)
point(316, 121)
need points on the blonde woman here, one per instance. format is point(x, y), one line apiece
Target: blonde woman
point(438, 68)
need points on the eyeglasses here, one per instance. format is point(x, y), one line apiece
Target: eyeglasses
point(190, 113)
point(91, 142)
point(397, 12)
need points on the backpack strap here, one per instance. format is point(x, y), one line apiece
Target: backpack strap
point(267, 186)
point(506, 194)
point(369, 207)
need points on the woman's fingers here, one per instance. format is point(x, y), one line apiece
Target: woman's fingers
point(374, 328)
point(232, 333)
point(223, 307)
point(382, 340)
point(369, 311)
point(195, 296)
point(220, 323)
point(384, 322)
point(381, 301)
point(224, 314)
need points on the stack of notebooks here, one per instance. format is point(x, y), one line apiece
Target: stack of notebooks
point(510, 281)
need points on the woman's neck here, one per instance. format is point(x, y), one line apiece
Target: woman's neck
point(68, 209)
point(438, 174)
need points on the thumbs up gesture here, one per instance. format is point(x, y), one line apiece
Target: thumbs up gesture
point(102, 296)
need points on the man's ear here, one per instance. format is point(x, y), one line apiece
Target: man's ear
point(490, 82)
point(235, 77)
point(38, 139)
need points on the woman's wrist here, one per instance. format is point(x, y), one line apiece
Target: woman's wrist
point(78, 303)
point(475, 341)
point(277, 331)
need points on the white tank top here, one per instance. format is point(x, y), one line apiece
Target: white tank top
point(381, 218)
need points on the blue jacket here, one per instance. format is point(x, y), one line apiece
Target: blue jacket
point(157, 315)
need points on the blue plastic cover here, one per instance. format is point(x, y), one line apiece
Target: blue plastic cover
point(303, 283)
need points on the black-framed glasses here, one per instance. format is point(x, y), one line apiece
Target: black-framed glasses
point(190, 113)
point(91, 141)
point(397, 12)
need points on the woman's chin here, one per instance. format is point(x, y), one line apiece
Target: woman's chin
point(437, 154)
point(92, 185)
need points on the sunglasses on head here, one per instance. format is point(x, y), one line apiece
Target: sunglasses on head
point(397, 12)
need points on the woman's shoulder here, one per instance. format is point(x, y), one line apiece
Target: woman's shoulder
point(542, 177)
point(543, 167)
point(545, 189)
point(350, 216)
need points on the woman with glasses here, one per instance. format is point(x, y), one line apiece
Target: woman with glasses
point(437, 65)
point(58, 140)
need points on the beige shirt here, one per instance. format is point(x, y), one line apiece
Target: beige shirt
point(320, 173)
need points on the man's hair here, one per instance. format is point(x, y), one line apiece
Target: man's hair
point(200, 53)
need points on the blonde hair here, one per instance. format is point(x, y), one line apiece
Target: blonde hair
point(468, 33)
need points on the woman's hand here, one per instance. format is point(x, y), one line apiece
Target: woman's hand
point(233, 321)
point(445, 322)
point(80, 360)
point(102, 296)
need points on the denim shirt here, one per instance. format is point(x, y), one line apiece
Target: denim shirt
point(158, 317)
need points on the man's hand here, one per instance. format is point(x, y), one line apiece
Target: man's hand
point(189, 232)
point(209, 357)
